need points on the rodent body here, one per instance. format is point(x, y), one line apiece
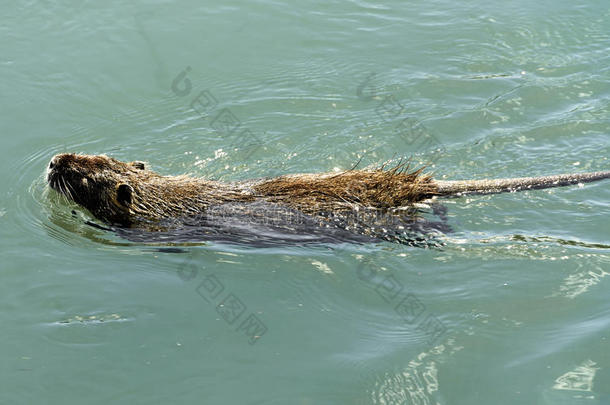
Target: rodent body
point(129, 195)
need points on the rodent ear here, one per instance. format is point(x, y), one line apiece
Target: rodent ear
point(138, 164)
point(124, 193)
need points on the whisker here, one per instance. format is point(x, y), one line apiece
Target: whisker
point(72, 191)
point(62, 187)
point(67, 188)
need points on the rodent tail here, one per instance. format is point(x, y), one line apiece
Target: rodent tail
point(446, 188)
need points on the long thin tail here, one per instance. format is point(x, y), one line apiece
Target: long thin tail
point(446, 188)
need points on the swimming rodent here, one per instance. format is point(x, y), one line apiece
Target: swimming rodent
point(129, 194)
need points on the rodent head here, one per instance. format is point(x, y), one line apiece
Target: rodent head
point(99, 183)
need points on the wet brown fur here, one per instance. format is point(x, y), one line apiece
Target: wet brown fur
point(127, 193)
point(348, 190)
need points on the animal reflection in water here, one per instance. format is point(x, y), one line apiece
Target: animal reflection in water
point(263, 224)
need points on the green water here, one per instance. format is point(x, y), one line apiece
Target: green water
point(514, 309)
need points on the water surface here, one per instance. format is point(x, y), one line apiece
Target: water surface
point(513, 309)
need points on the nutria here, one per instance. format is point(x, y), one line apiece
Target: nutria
point(129, 195)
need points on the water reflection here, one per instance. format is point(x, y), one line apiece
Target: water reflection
point(417, 383)
point(262, 224)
